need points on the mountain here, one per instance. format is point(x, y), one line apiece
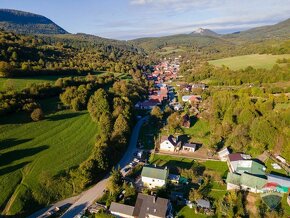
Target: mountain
point(204, 32)
point(27, 23)
point(277, 31)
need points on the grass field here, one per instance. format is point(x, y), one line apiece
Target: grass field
point(27, 150)
point(255, 60)
point(20, 83)
point(199, 131)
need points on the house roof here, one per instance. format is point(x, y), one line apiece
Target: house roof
point(235, 157)
point(147, 204)
point(121, 208)
point(280, 180)
point(189, 145)
point(203, 203)
point(173, 177)
point(246, 179)
point(154, 172)
point(224, 152)
point(251, 167)
point(170, 138)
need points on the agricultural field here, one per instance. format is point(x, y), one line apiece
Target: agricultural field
point(256, 60)
point(170, 50)
point(29, 150)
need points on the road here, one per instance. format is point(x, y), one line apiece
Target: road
point(86, 198)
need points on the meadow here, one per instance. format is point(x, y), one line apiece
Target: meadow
point(29, 150)
point(255, 60)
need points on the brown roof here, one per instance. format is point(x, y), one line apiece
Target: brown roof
point(147, 204)
point(121, 208)
point(235, 157)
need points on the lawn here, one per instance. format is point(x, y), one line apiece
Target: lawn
point(199, 131)
point(28, 150)
point(255, 60)
point(187, 212)
point(166, 160)
point(271, 169)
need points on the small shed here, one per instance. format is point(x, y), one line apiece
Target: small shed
point(173, 178)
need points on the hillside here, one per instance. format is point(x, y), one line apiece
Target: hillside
point(277, 31)
point(27, 23)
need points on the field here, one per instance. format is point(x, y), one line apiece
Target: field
point(255, 60)
point(31, 149)
point(23, 82)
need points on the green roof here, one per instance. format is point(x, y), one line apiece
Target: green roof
point(255, 169)
point(246, 179)
point(154, 172)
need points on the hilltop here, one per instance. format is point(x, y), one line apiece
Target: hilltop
point(204, 32)
point(27, 23)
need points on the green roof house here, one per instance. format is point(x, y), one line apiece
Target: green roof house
point(154, 177)
point(246, 181)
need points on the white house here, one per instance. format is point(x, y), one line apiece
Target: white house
point(168, 143)
point(189, 147)
point(154, 177)
point(223, 154)
point(121, 210)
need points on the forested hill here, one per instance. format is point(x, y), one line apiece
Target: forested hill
point(27, 23)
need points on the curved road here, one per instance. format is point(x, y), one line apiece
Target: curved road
point(86, 198)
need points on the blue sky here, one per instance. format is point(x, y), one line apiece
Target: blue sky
point(128, 19)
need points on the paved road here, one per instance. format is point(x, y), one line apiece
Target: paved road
point(89, 196)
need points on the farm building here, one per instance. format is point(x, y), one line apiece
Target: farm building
point(223, 154)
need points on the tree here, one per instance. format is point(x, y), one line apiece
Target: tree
point(106, 125)
point(173, 122)
point(156, 114)
point(9, 85)
point(5, 69)
point(37, 114)
point(121, 127)
point(98, 104)
point(194, 195)
point(115, 181)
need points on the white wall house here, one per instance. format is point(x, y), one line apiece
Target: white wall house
point(154, 177)
point(168, 143)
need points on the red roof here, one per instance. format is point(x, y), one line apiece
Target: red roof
point(235, 157)
point(271, 185)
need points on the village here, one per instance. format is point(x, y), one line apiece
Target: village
point(173, 172)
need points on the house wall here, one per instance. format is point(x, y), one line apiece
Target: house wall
point(166, 146)
point(152, 183)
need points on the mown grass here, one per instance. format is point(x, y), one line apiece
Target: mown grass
point(187, 212)
point(199, 131)
point(28, 150)
point(257, 61)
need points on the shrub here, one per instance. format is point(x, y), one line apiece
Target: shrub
point(37, 114)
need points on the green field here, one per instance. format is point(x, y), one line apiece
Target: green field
point(28, 150)
point(255, 60)
point(20, 83)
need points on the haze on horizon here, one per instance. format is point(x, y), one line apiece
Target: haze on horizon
point(129, 19)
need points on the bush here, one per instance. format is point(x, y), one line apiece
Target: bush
point(37, 114)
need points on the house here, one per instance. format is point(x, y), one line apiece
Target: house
point(147, 104)
point(204, 204)
point(145, 206)
point(121, 210)
point(169, 143)
point(191, 98)
point(223, 154)
point(189, 147)
point(185, 121)
point(277, 183)
point(199, 86)
point(246, 181)
point(240, 163)
point(154, 177)
point(177, 107)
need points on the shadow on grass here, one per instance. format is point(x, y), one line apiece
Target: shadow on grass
point(8, 143)
point(13, 168)
point(11, 156)
point(193, 120)
point(173, 165)
point(63, 116)
point(15, 118)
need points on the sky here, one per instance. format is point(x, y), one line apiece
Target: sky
point(129, 19)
